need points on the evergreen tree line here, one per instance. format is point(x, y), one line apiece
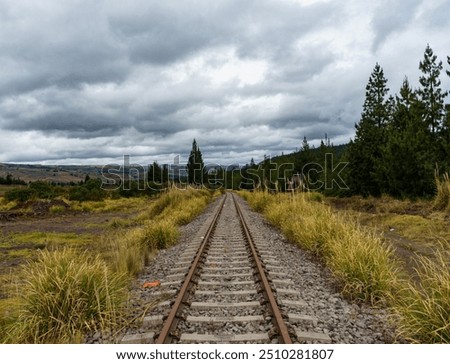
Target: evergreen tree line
point(10, 180)
point(312, 168)
point(403, 140)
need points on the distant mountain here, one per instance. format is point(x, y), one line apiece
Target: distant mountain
point(57, 174)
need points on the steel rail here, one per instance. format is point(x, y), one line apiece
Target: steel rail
point(172, 320)
point(267, 290)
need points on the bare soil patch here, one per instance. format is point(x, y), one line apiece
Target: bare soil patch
point(70, 221)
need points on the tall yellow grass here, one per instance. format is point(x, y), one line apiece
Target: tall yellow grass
point(365, 266)
point(442, 198)
point(361, 262)
point(423, 308)
point(157, 228)
point(66, 296)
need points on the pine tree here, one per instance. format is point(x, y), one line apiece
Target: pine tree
point(304, 157)
point(365, 153)
point(431, 94)
point(165, 174)
point(448, 61)
point(155, 173)
point(195, 166)
point(406, 153)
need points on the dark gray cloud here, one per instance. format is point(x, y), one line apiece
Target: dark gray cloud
point(392, 16)
point(90, 81)
point(160, 33)
point(50, 44)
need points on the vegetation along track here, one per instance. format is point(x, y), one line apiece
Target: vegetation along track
point(232, 289)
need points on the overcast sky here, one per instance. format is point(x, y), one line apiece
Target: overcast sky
point(85, 82)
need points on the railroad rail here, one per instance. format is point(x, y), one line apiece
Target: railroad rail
point(229, 290)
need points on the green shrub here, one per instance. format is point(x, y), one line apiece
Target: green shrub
point(129, 252)
point(160, 234)
point(18, 194)
point(89, 191)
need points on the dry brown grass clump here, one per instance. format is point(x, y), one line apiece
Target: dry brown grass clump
point(423, 308)
point(65, 296)
point(442, 198)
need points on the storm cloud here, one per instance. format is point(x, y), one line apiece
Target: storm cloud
point(87, 82)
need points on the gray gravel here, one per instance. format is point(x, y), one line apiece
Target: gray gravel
point(227, 250)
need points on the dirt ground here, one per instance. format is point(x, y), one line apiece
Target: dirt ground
point(22, 235)
point(70, 222)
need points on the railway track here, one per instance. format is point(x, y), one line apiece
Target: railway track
point(228, 287)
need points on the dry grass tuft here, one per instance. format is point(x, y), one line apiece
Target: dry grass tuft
point(66, 296)
point(158, 228)
point(442, 198)
point(423, 309)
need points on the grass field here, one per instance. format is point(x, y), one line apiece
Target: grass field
point(412, 228)
point(66, 273)
point(368, 265)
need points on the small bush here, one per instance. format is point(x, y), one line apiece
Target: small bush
point(57, 209)
point(18, 194)
point(44, 190)
point(160, 234)
point(118, 223)
point(8, 317)
point(5, 205)
point(129, 252)
point(185, 211)
point(67, 296)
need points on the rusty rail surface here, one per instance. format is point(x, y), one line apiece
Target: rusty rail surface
point(171, 321)
point(277, 318)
